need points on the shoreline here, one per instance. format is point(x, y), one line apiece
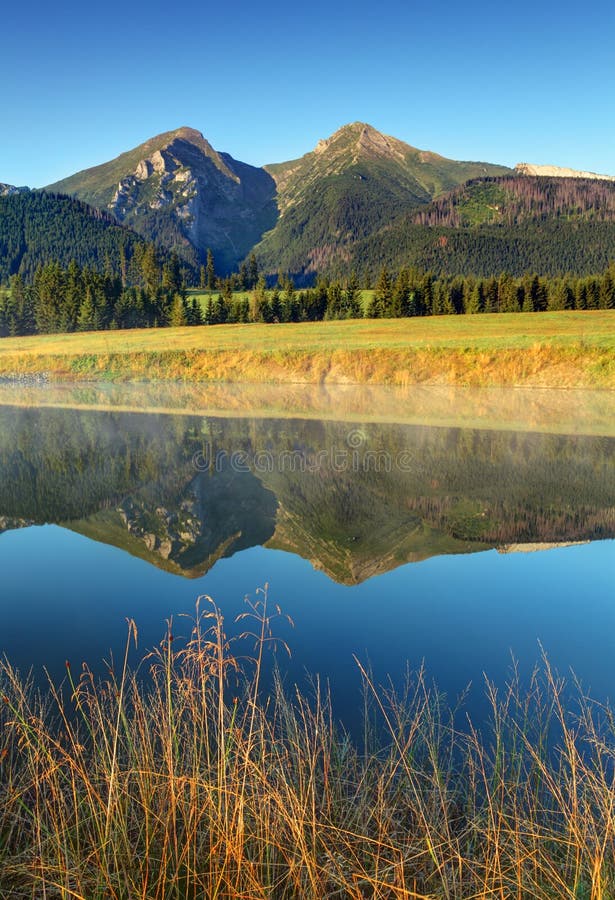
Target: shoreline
point(538, 350)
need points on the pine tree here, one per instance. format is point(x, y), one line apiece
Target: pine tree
point(258, 300)
point(49, 290)
point(335, 308)
point(352, 298)
point(244, 278)
point(508, 294)
point(400, 305)
point(178, 316)
point(253, 271)
point(243, 310)
point(275, 307)
point(491, 296)
point(287, 307)
point(150, 269)
point(73, 296)
point(607, 290)
point(195, 314)
point(171, 275)
point(380, 304)
point(86, 320)
point(476, 302)
point(210, 271)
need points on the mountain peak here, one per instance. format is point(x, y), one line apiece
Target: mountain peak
point(361, 139)
point(205, 199)
point(190, 134)
point(184, 133)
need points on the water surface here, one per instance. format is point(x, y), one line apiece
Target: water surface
point(393, 541)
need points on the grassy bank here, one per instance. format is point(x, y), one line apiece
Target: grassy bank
point(202, 788)
point(560, 349)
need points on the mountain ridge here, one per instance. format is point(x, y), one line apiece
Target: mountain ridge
point(328, 211)
point(176, 188)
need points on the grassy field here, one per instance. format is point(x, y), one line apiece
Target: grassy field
point(208, 785)
point(559, 349)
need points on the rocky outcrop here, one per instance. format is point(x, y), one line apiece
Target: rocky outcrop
point(163, 531)
point(7, 189)
point(537, 546)
point(10, 524)
point(558, 172)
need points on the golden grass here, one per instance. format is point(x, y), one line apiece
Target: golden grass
point(565, 349)
point(203, 786)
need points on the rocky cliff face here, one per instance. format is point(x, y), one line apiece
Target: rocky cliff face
point(558, 172)
point(7, 189)
point(177, 189)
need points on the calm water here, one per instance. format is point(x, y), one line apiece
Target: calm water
point(397, 543)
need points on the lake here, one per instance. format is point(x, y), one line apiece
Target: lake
point(463, 529)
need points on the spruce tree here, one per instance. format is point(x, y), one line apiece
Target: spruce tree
point(210, 271)
point(253, 271)
point(86, 320)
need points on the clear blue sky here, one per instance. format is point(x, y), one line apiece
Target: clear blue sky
point(531, 82)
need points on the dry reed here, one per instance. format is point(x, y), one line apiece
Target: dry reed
point(197, 782)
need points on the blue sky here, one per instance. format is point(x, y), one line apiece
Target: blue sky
point(531, 82)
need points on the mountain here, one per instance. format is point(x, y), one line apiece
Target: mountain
point(359, 200)
point(177, 190)
point(515, 223)
point(36, 227)
point(558, 172)
point(350, 186)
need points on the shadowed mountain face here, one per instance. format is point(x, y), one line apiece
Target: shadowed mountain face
point(181, 492)
point(178, 190)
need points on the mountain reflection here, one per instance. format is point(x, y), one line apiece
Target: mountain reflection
point(357, 500)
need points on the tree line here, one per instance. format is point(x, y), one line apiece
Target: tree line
point(415, 293)
point(411, 293)
point(81, 299)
